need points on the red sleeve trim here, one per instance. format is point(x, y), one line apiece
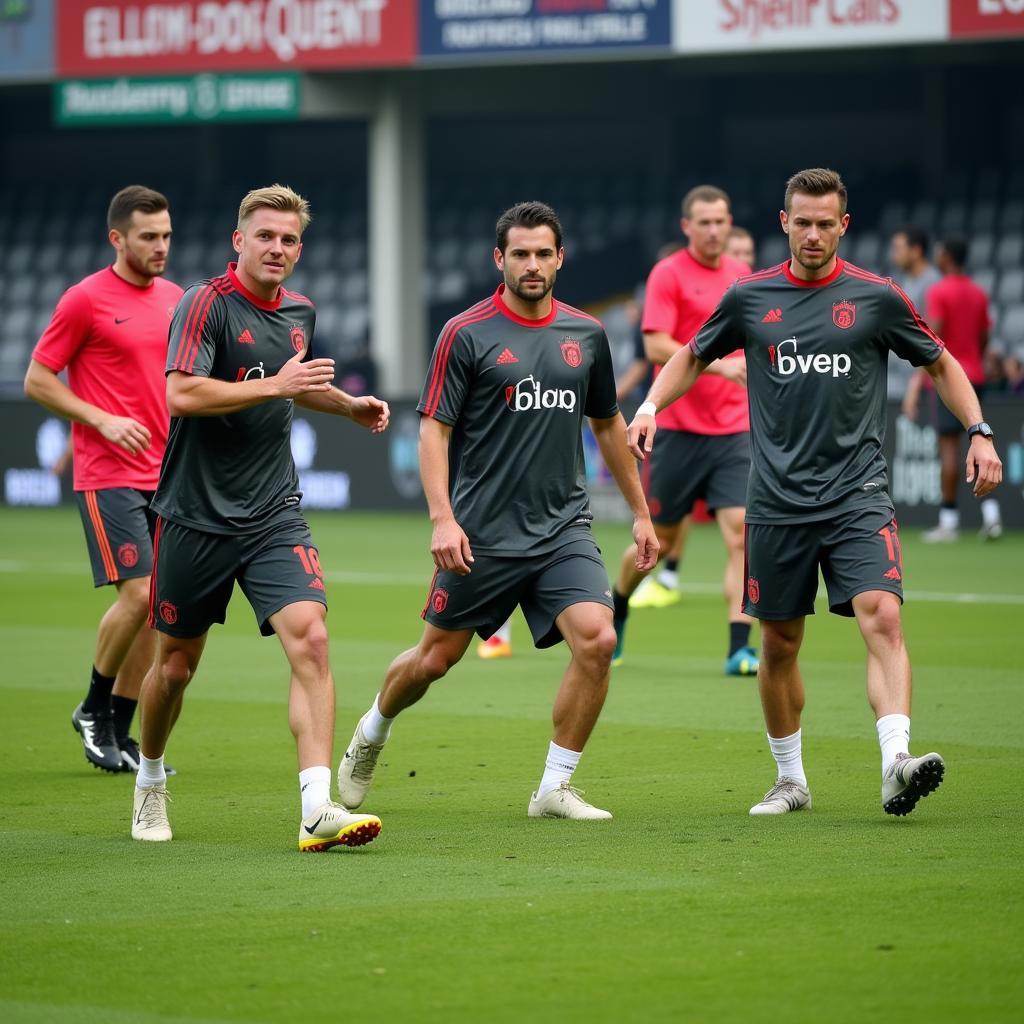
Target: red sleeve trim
point(919, 321)
point(482, 311)
point(297, 297)
point(865, 275)
point(762, 275)
point(195, 322)
point(577, 312)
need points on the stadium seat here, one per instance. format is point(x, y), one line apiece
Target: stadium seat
point(1011, 325)
point(1010, 290)
point(1009, 252)
point(985, 279)
point(953, 219)
point(982, 218)
point(980, 250)
point(866, 251)
point(1011, 217)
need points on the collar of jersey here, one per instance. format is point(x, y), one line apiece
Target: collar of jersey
point(254, 299)
point(820, 283)
point(499, 302)
point(132, 284)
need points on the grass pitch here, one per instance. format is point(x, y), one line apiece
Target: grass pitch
point(681, 909)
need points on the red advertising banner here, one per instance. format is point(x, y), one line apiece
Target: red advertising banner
point(147, 37)
point(990, 18)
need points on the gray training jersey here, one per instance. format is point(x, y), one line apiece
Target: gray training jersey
point(515, 393)
point(816, 369)
point(225, 474)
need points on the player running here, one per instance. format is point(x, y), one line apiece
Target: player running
point(501, 458)
point(109, 332)
point(817, 332)
point(228, 502)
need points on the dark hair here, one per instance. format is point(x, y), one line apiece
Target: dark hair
point(130, 199)
point(817, 181)
point(703, 194)
point(527, 215)
point(917, 238)
point(956, 250)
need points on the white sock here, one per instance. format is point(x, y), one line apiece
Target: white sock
point(990, 512)
point(314, 788)
point(151, 772)
point(789, 757)
point(504, 632)
point(558, 768)
point(949, 518)
point(376, 728)
point(669, 579)
point(893, 737)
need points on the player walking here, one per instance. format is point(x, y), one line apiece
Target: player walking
point(109, 332)
point(816, 375)
point(228, 502)
point(501, 457)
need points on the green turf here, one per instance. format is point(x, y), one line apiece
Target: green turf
point(681, 909)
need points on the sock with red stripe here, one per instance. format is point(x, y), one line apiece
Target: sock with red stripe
point(100, 689)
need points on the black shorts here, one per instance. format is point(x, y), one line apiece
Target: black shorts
point(945, 423)
point(857, 551)
point(119, 529)
point(685, 467)
point(542, 585)
point(195, 573)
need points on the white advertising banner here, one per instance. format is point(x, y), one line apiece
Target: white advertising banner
point(720, 26)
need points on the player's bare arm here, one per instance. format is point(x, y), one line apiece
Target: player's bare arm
point(609, 434)
point(367, 411)
point(660, 347)
point(449, 544)
point(676, 379)
point(193, 395)
point(984, 468)
point(42, 385)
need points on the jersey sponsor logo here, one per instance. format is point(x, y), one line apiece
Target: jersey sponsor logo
point(773, 316)
point(128, 555)
point(844, 314)
point(298, 336)
point(507, 357)
point(753, 590)
point(246, 338)
point(529, 394)
point(168, 612)
point(251, 372)
point(791, 361)
point(439, 600)
point(571, 352)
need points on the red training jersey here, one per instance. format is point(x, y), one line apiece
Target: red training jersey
point(681, 294)
point(960, 307)
point(111, 336)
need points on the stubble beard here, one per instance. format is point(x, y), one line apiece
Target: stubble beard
point(513, 285)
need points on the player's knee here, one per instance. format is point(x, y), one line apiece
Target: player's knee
point(435, 661)
point(313, 645)
point(133, 596)
point(881, 617)
point(595, 649)
point(777, 645)
point(175, 672)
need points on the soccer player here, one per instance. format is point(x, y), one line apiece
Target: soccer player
point(957, 309)
point(501, 457)
point(109, 332)
point(705, 452)
point(740, 245)
point(228, 505)
point(816, 371)
point(908, 254)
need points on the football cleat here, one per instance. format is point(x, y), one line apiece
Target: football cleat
point(355, 772)
point(331, 825)
point(786, 795)
point(742, 662)
point(565, 802)
point(908, 779)
point(97, 731)
point(993, 531)
point(940, 535)
point(131, 757)
point(652, 593)
point(149, 815)
point(493, 647)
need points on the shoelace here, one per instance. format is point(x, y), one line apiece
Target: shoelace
point(153, 811)
point(103, 729)
point(364, 758)
point(783, 787)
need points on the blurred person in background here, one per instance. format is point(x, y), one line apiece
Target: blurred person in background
point(1013, 367)
point(109, 332)
point(740, 246)
point(957, 310)
point(705, 451)
point(908, 255)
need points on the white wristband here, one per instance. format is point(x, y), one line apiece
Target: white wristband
point(647, 409)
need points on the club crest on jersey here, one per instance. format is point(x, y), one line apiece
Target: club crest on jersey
point(844, 314)
point(128, 555)
point(753, 590)
point(571, 352)
point(529, 394)
point(298, 336)
point(439, 600)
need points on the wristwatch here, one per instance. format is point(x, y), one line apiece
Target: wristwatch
point(981, 428)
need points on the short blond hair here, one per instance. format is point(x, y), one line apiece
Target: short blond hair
point(274, 197)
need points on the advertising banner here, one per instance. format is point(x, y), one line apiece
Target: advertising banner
point(146, 37)
point(26, 40)
point(114, 101)
point(714, 26)
point(453, 28)
point(991, 18)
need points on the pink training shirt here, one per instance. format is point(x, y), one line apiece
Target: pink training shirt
point(111, 336)
point(681, 294)
point(960, 307)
